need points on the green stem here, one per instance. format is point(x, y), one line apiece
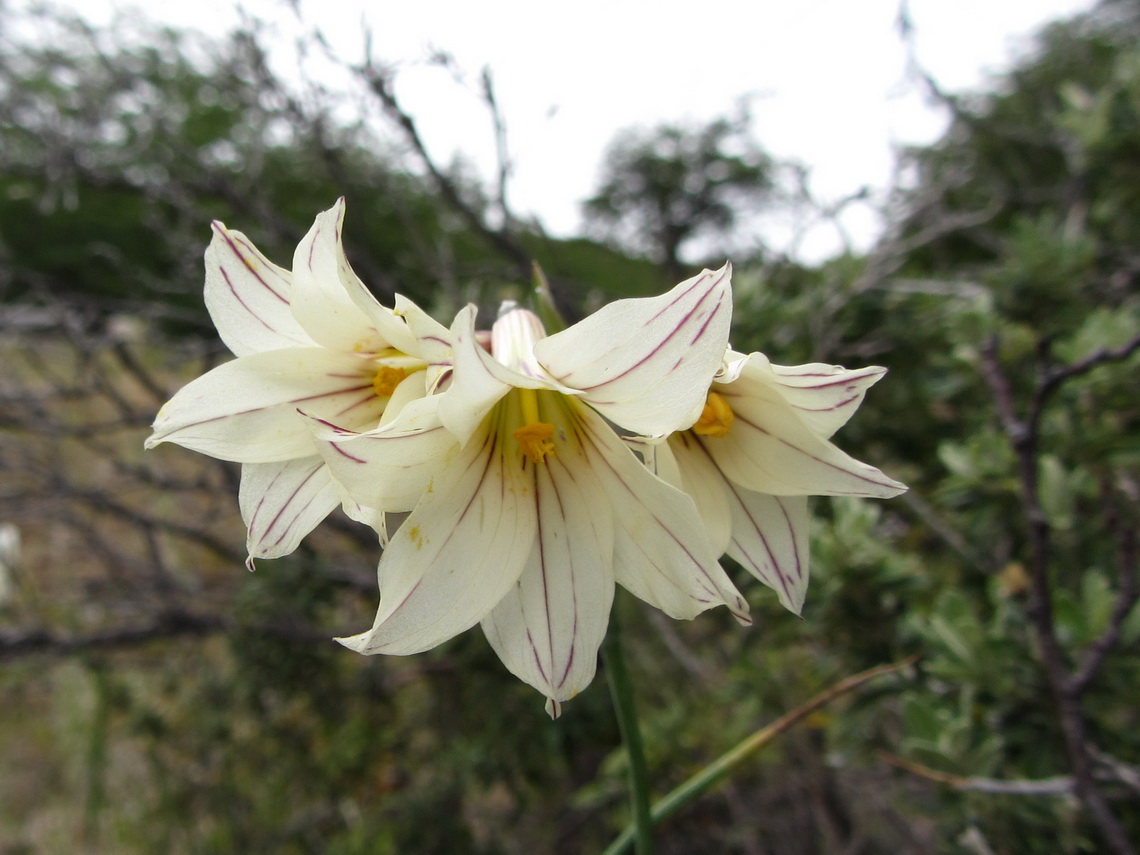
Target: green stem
point(621, 690)
point(719, 769)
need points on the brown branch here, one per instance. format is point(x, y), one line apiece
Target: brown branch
point(44, 641)
point(1023, 437)
point(380, 84)
point(1054, 378)
point(174, 624)
point(1058, 786)
point(502, 153)
point(1127, 595)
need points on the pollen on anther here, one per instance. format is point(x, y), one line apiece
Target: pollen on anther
point(535, 440)
point(387, 379)
point(716, 418)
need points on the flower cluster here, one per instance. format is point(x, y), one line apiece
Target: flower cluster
point(530, 473)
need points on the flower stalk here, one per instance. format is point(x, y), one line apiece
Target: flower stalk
point(621, 690)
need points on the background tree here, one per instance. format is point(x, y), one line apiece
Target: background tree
point(1004, 301)
point(664, 187)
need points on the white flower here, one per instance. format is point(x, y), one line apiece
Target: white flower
point(759, 449)
point(532, 506)
point(314, 338)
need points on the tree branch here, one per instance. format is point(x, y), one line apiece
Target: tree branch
point(380, 84)
point(1023, 437)
point(1058, 786)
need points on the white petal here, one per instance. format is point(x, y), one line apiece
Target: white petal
point(733, 364)
point(458, 553)
point(389, 469)
point(246, 410)
point(247, 296)
point(646, 364)
point(389, 324)
point(662, 553)
point(407, 391)
point(770, 540)
point(322, 282)
point(477, 383)
point(548, 628)
point(772, 449)
point(825, 396)
point(432, 340)
point(283, 502)
point(703, 481)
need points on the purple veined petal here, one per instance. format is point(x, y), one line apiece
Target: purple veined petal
point(319, 299)
point(549, 626)
point(826, 396)
point(457, 554)
point(282, 502)
point(513, 337)
point(770, 540)
point(771, 449)
point(432, 340)
point(247, 296)
point(703, 482)
point(389, 469)
point(662, 553)
point(646, 364)
point(246, 410)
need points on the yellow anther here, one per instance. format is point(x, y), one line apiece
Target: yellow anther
point(387, 379)
point(535, 440)
point(716, 418)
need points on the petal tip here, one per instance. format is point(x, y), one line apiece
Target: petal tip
point(740, 612)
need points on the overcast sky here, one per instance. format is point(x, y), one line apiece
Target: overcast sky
point(828, 77)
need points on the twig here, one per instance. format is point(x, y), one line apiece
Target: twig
point(380, 84)
point(1057, 786)
point(502, 153)
point(1057, 375)
point(174, 624)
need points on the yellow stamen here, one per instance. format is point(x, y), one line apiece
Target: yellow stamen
point(535, 441)
point(387, 379)
point(535, 435)
point(716, 418)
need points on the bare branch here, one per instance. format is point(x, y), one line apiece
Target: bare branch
point(1127, 595)
point(1058, 786)
point(1024, 439)
point(380, 83)
point(174, 624)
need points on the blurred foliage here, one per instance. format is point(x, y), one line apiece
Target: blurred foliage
point(1013, 249)
point(119, 146)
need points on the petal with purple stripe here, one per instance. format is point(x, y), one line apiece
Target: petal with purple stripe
point(457, 554)
point(549, 626)
point(770, 540)
point(246, 410)
point(282, 502)
point(247, 296)
point(646, 364)
point(662, 553)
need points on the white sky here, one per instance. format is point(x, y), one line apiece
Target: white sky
point(828, 76)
